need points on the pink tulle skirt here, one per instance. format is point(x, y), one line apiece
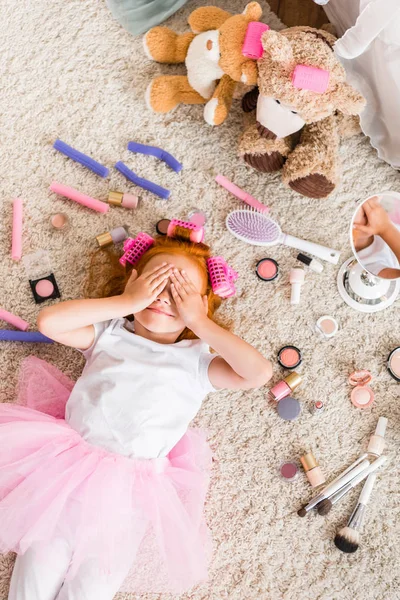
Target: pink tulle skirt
point(140, 517)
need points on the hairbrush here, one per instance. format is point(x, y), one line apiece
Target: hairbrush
point(259, 230)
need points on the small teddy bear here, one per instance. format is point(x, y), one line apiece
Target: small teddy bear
point(304, 106)
point(213, 57)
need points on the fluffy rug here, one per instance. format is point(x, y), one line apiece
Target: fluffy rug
point(70, 71)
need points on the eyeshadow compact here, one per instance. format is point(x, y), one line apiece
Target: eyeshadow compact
point(267, 269)
point(327, 326)
point(289, 357)
point(393, 363)
point(41, 279)
point(162, 226)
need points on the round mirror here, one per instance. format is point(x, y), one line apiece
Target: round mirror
point(375, 235)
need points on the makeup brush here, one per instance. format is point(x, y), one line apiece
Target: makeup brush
point(348, 538)
point(325, 506)
point(334, 487)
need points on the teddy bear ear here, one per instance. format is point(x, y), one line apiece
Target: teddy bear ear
point(347, 100)
point(277, 46)
point(253, 11)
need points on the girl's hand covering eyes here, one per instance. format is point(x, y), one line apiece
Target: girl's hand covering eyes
point(143, 291)
point(191, 306)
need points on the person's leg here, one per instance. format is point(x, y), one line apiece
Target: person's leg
point(90, 583)
point(39, 573)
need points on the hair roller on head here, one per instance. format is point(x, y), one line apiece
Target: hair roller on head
point(186, 230)
point(222, 277)
point(135, 248)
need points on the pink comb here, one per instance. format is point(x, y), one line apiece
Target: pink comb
point(241, 194)
point(310, 78)
point(252, 47)
point(135, 248)
point(222, 277)
point(196, 231)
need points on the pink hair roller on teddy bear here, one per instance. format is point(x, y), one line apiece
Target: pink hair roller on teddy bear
point(310, 78)
point(252, 47)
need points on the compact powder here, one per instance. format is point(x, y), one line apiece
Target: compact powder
point(289, 357)
point(288, 471)
point(289, 408)
point(59, 220)
point(362, 396)
point(327, 326)
point(44, 288)
point(162, 226)
point(393, 363)
point(198, 218)
point(267, 269)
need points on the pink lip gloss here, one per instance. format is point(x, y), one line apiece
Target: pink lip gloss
point(285, 387)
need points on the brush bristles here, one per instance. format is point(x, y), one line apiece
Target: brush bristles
point(347, 540)
point(302, 512)
point(324, 507)
point(252, 227)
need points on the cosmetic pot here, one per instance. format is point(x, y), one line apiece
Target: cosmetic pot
point(59, 221)
point(284, 387)
point(377, 442)
point(312, 469)
point(361, 395)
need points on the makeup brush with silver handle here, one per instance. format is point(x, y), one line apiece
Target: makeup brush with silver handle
point(334, 487)
point(325, 506)
point(348, 538)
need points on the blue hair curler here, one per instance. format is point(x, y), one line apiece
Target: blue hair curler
point(158, 153)
point(143, 183)
point(9, 335)
point(81, 158)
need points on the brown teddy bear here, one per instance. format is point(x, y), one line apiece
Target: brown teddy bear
point(213, 57)
point(297, 129)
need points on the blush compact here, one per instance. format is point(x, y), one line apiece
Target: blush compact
point(41, 279)
point(267, 269)
point(393, 363)
point(289, 357)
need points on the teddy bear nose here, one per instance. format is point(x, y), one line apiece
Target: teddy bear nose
point(209, 45)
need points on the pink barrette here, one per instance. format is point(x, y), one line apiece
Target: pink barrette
point(135, 248)
point(222, 277)
point(196, 231)
point(310, 78)
point(252, 47)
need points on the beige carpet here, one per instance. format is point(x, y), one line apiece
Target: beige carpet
point(70, 71)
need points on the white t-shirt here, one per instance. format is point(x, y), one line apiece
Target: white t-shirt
point(378, 256)
point(136, 397)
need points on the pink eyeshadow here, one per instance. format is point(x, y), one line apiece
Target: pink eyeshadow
point(44, 288)
point(289, 357)
point(267, 269)
point(288, 470)
point(362, 396)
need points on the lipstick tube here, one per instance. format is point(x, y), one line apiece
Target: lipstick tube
point(285, 387)
point(313, 471)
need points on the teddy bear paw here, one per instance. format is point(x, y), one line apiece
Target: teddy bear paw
point(265, 163)
point(215, 113)
point(160, 96)
point(314, 185)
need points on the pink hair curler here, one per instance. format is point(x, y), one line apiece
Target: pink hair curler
point(252, 47)
point(16, 249)
point(310, 78)
point(241, 194)
point(196, 232)
point(13, 320)
point(135, 248)
point(222, 277)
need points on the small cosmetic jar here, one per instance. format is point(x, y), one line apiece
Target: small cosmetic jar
point(198, 217)
point(361, 395)
point(285, 387)
point(288, 470)
point(312, 469)
point(327, 327)
point(59, 221)
point(162, 226)
point(289, 357)
point(267, 269)
point(393, 363)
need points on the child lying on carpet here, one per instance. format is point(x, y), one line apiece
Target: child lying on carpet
point(114, 493)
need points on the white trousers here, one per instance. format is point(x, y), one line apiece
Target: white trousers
point(40, 573)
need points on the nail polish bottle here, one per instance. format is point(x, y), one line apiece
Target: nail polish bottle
point(377, 442)
point(119, 234)
point(285, 387)
point(312, 469)
point(124, 200)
